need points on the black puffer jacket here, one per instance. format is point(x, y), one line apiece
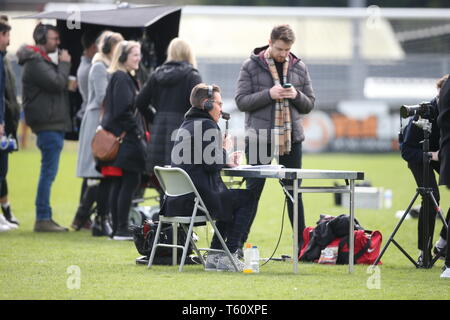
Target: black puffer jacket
point(167, 90)
point(444, 125)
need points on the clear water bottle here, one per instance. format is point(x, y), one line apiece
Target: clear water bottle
point(388, 199)
point(255, 259)
point(248, 258)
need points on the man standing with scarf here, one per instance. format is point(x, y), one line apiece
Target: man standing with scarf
point(274, 89)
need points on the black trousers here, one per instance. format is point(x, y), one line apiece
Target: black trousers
point(120, 199)
point(417, 171)
point(234, 230)
point(3, 172)
point(256, 185)
point(447, 254)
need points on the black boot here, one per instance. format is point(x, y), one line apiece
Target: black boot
point(82, 217)
point(101, 227)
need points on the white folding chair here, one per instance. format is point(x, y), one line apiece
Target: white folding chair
point(176, 182)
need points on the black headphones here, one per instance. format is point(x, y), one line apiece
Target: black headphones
point(106, 48)
point(40, 34)
point(124, 55)
point(209, 104)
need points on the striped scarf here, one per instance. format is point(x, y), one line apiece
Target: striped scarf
point(283, 124)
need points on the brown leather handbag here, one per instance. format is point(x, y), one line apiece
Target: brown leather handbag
point(105, 145)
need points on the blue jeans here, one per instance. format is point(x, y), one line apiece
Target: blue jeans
point(50, 143)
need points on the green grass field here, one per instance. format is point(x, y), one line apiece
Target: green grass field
point(39, 266)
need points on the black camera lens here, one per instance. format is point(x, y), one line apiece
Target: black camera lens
point(408, 111)
point(423, 110)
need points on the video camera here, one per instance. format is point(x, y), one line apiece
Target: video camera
point(424, 110)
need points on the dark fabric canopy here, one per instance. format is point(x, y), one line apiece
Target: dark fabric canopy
point(153, 26)
point(121, 17)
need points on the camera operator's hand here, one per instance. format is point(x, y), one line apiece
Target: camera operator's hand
point(434, 155)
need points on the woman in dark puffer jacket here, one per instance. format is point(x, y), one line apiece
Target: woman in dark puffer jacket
point(168, 90)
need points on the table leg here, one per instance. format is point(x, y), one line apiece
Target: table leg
point(351, 233)
point(175, 241)
point(296, 235)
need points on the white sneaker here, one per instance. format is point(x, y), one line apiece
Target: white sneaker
point(224, 263)
point(3, 224)
point(446, 273)
point(211, 261)
point(3, 221)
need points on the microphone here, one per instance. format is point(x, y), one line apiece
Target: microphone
point(226, 116)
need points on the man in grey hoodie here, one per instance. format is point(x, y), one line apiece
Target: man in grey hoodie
point(274, 90)
point(46, 108)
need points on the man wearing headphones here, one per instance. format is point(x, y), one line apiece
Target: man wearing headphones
point(200, 150)
point(46, 107)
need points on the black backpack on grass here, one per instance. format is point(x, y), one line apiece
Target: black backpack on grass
point(144, 236)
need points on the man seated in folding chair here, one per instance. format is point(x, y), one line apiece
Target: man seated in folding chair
point(201, 151)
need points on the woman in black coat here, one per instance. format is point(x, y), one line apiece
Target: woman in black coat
point(168, 90)
point(122, 117)
point(444, 154)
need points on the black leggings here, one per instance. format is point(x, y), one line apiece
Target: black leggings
point(3, 188)
point(90, 194)
point(121, 197)
point(447, 257)
point(234, 231)
point(3, 173)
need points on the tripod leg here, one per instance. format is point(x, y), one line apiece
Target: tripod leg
point(391, 238)
point(439, 211)
point(405, 253)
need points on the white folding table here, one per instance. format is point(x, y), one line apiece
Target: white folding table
point(295, 175)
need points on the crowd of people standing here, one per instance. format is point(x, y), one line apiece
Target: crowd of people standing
point(112, 99)
point(274, 90)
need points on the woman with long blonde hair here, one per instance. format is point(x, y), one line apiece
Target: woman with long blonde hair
point(168, 90)
point(97, 82)
point(123, 119)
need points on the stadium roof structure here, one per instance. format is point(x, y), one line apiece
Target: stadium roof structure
point(322, 33)
point(128, 17)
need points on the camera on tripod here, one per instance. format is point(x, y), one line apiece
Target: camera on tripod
point(424, 110)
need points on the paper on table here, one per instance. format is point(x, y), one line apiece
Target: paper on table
point(264, 166)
